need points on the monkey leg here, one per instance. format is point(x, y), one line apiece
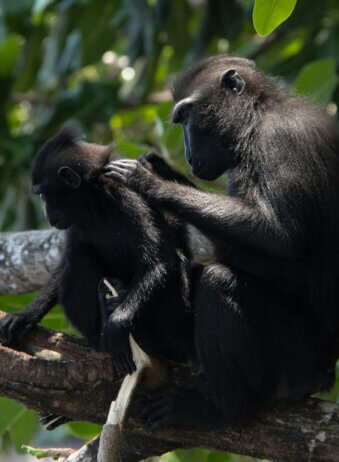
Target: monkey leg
point(245, 361)
point(219, 393)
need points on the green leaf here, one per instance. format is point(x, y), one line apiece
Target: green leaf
point(9, 52)
point(84, 430)
point(318, 79)
point(17, 421)
point(269, 14)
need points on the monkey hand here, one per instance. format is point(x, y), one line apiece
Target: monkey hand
point(115, 340)
point(14, 326)
point(157, 164)
point(133, 174)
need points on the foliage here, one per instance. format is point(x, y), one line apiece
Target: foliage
point(110, 67)
point(269, 14)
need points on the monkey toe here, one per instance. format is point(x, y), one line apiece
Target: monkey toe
point(119, 286)
point(13, 327)
point(53, 421)
point(184, 408)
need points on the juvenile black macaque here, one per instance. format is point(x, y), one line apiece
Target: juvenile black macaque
point(266, 311)
point(111, 232)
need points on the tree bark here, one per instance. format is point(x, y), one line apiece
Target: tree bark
point(27, 258)
point(57, 373)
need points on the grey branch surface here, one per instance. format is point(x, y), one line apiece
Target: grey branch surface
point(58, 373)
point(28, 257)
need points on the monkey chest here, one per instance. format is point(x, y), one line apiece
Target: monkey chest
point(118, 255)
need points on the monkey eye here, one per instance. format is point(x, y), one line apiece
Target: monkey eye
point(181, 111)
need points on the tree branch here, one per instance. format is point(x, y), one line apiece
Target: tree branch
point(58, 373)
point(27, 258)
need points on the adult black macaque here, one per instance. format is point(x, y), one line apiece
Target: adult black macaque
point(111, 232)
point(267, 310)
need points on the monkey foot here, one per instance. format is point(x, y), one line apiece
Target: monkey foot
point(53, 421)
point(184, 408)
point(108, 300)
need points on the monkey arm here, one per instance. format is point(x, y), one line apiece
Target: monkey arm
point(46, 299)
point(289, 276)
point(251, 225)
point(15, 325)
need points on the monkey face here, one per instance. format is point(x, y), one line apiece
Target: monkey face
point(59, 197)
point(209, 99)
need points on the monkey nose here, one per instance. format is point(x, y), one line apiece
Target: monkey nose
point(181, 111)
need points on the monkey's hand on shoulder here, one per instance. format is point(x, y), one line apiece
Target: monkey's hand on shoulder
point(14, 326)
point(157, 164)
point(115, 340)
point(134, 175)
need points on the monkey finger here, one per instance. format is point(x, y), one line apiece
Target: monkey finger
point(130, 364)
point(129, 357)
point(116, 176)
point(154, 160)
point(59, 421)
point(147, 410)
point(119, 366)
point(25, 330)
point(125, 366)
point(10, 334)
point(4, 329)
point(47, 418)
point(11, 330)
point(124, 163)
point(120, 169)
point(145, 162)
point(163, 421)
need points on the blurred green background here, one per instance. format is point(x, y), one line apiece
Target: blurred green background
point(109, 64)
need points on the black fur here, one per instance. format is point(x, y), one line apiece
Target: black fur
point(111, 232)
point(267, 309)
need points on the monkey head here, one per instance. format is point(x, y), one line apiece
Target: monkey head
point(214, 102)
point(62, 172)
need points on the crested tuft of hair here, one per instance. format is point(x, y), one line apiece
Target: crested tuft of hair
point(198, 68)
point(69, 135)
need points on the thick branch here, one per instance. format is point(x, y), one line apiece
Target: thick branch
point(307, 432)
point(57, 373)
point(27, 258)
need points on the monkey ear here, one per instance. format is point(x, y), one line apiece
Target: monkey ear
point(233, 81)
point(71, 178)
